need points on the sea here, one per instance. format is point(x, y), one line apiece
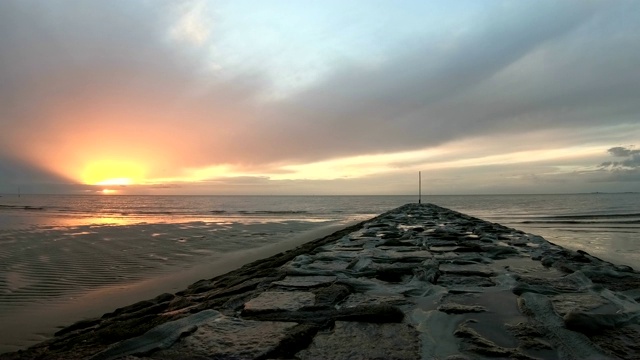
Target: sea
point(64, 258)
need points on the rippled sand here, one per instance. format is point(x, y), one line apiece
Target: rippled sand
point(53, 276)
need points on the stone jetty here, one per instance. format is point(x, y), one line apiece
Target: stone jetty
point(417, 282)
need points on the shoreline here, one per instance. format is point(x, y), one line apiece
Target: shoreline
point(30, 324)
point(489, 291)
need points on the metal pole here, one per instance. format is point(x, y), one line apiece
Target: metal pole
point(419, 187)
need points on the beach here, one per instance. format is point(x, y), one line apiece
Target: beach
point(69, 258)
point(105, 266)
point(432, 282)
point(319, 180)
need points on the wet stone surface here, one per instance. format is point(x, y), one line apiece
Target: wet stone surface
point(228, 337)
point(417, 282)
point(279, 300)
point(305, 281)
point(357, 340)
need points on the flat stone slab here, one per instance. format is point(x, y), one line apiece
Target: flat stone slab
point(358, 299)
point(467, 270)
point(356, 340)
point(305, 281)
point(566, 303)
point(228, 338)
point(280, 300)
point(160, 337)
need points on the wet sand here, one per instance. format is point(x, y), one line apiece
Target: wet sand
point(419, 281)
point(55, 276)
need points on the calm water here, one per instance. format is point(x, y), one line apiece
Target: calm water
point(64, 258)
point(607, 225)
point(604, 225)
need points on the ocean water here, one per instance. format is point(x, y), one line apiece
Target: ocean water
point(119, 210)
point(65, 258)
point(604, 225)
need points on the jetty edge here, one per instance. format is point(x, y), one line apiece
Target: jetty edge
point(416, 282)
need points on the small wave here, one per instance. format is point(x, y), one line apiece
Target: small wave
point(272, 212)
point(34, 208)
point(280, 212)
point(574, 222)
point(21, 207)
point(143, 213)
point(153, 212)
point(591, 216)
point(621, 230)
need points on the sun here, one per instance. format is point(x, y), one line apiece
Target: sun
point(116, 181)
point(112, 173)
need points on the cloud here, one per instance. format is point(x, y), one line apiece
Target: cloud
point(22, 177)
point(15, 173)
point(89, 80)
point(632, 160)
point(499, 78)
point(620, 151)
point(194, 25)
point(86, 79)
point(627, 170)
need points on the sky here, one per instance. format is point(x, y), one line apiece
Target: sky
point(319, 97)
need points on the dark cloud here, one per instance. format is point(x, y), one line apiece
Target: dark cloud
point(632, 161)
point(620, 151)
point(17, 176)
point(15, 173)
point(71, 66)
point(623, 171)
point(431, 94)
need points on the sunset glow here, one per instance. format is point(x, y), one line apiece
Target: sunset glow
point(206, 97)
point(116, 181)
point(112, 173)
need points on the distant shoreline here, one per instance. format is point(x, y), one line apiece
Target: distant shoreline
point(318, 195)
